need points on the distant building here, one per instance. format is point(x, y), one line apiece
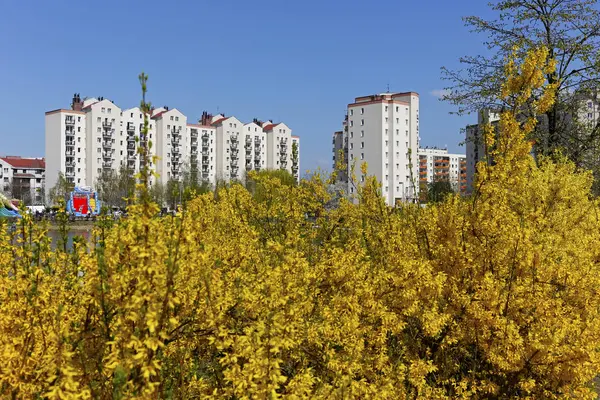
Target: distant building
point(475, 144)
point(382, 130)
point(437, 165)
point(96, 136)
point(23, 178)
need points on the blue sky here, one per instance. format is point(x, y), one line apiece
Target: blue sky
point(300, 62)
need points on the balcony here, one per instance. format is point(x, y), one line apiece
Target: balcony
point(175, 150)
point(70, 143)
point(107, 164)
point(107, 124)
point(130, 146)
point(107, 143)
point(70, 172)
point(131, 137)
point(205, 136)
point(248, 141)
point(204, 152)
point(70, 121)
point(204, 145)
point(107, 135)
point(205, 161)
point(107, 154)
point(248, 156)
point(70, 132)
point(175, 140)
point(204, 174)
point(130, 127)
point(131, 156)
point(70, 153)
point(70, 164)
point(194, 151)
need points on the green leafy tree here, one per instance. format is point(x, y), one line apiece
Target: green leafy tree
point(570, 29)
point(61, 190)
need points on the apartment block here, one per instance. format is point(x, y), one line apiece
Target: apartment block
point(475, 144)
point(437, 165)
point(383, 131)
point(23, 178)
point(97, 136)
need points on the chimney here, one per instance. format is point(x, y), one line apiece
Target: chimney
point(205, 119)
point(77, 105)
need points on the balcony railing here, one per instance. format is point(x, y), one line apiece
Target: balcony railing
point(107, 154)
point(130, 127)
point(70, 143)
point(204, 152)
point(107, 143)
point(205, 161)
point(70, 121)
point(107, 135)
point(70, 153)
point(130, 146)
point(70, 164)
point(175, 150)
point(70, 132)
point(69, 172)
point(194, 151)
point(107, 124)
point(131, 156)
point(107, 164)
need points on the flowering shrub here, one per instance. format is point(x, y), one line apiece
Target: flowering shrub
point(242, 296)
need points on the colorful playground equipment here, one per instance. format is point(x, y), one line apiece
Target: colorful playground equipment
point(83, 201)
point(7, 208)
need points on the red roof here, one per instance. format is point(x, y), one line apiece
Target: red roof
point(26, 163)
point(269, 127)
point(89, 105)
point(159, 114)
point(218, 121)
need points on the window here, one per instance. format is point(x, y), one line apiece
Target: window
point(362, 111)
point(79, 149)
point(132, 115)
point(387, 177)
point(397, 108)
point(78, 119)
point(397, 120)
point(386, 108)
point(171, 118)
point(590, 105)
point(103, 110)
point(78, 129)
point(351, 123)
point(351, 146)
point(362, 133)
point(351, 134)
point(386, 131)
point(109, 110)
point(590, 115)
point(362, 145)
point(78, 170)
point(351, 112)
point(386, 142)
point(78, 140)
point(362, 178)
point(362, 156)
point(362, 122)
point(386, 120)
point(99, 119)
point(176, 118)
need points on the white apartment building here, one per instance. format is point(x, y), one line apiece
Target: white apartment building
point(437, 164)
point(202, 148)
point(383, 131)
point(296, 163)
point(255, 150)
point(172, 143)
point(279, 145)
point(228, 137)
point(97, 136)
point(23, 178)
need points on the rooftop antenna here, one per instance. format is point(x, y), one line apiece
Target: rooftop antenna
point(388, 87)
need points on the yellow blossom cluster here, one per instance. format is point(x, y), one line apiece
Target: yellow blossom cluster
point(241, 296)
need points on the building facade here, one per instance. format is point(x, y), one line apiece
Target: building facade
point(96, 136)
point(475, 144)
point(383, 131)
point(23, 178)
point(437, 165)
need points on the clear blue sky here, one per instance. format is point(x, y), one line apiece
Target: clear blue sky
point(300, 62)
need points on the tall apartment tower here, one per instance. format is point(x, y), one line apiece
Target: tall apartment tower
point(383, 131)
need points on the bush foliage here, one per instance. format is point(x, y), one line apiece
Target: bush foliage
point(244, 296)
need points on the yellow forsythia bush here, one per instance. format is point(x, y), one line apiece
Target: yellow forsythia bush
point(281, 296)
